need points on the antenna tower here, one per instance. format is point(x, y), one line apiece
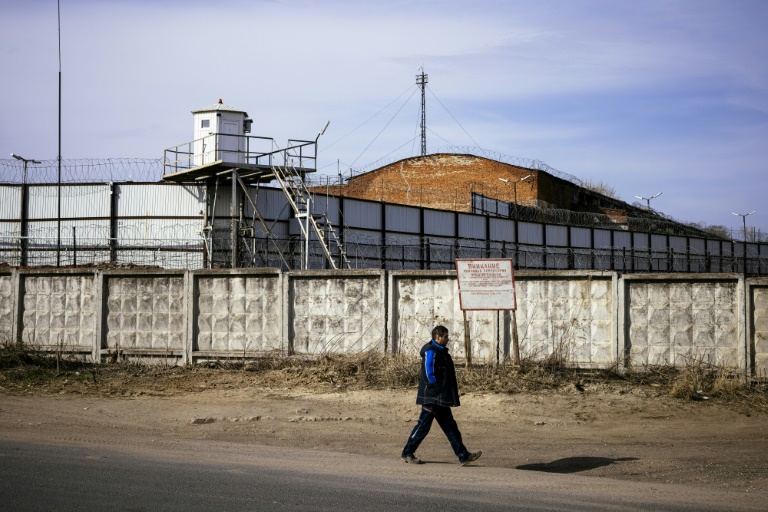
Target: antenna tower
point(421, 80)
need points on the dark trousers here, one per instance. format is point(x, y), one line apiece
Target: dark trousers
point(447, 423)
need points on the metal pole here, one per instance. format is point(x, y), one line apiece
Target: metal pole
point(58, 181)
point(233, 219)
point(515, 340)
point(24, 216)
point(421, 80)
point(516, 213)
point(24, 221)
point(744, 220)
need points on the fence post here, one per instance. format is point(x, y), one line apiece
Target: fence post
point(112, 224)
point(650, 256)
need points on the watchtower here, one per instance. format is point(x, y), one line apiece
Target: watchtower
point(220, 134)
point(232, 165)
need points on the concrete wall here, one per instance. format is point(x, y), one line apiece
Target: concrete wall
point(672, 319)
point(8, 296)
point(569, 315)
point(420, 300)
point(336, 311)
point(58, 310)
point(145, 314)
point(237, 313)
point(585, 318)
point(758, 325)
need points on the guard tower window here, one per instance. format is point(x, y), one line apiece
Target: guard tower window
point(205, 123)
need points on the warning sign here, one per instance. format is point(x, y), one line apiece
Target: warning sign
point(486, 284)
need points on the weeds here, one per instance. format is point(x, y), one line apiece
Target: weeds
point(25, 370)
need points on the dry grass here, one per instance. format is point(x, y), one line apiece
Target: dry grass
point(23, 370)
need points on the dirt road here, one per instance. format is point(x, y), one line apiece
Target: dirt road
point(593, 433)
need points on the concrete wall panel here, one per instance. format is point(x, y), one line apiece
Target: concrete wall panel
point(238, 313)
point(7, 296)
point(759, 327)
point(674, 321)
point(145, 313)
point(338, 312)
point(566, 317)
point(59, 311)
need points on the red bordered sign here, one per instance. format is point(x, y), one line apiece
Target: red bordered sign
point(486, 284)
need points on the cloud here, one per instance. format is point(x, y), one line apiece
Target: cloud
point(624, 91)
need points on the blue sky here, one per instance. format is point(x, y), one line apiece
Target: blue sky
point(655, 96)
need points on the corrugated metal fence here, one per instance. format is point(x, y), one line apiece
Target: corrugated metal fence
point(162, 225)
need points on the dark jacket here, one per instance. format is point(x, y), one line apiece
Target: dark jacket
point(437, 383)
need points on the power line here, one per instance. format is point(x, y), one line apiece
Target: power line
point(452, 116)
point(382, 130)
point(366, 121)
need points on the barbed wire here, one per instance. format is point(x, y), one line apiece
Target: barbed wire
point(83, 170)
point(526, 163)
point(659, 225)
point(97, 171)
point(127, 230)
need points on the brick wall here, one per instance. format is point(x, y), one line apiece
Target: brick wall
point(447, 181)
point(414, 181)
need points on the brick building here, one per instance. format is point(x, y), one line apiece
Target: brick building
point(447, 182)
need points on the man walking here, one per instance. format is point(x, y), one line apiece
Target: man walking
point(438, 392)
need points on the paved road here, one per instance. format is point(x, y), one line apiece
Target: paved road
point(211, 476)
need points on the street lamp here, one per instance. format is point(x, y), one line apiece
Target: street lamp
point(514, 184)
point(744, 218)
point(24, 209)
point(648, 199)
point(26, 161)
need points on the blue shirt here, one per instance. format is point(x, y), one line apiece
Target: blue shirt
point(429, 363)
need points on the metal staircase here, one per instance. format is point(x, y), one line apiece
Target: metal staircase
point(300, 198)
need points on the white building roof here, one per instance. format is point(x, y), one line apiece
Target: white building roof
point(219, 107)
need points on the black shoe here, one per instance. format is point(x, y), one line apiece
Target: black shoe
point(470, 457)
point(411, 459)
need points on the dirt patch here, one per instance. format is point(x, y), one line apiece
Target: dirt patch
point(589, 425)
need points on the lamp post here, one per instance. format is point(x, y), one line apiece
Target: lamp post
point(26, 161)
point(24, 209)
point(744, 218)
point(648, 199)
point(514, 185)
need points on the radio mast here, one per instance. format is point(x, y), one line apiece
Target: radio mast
point(421, 80)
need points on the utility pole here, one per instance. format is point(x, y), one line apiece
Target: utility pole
point(58, 158)
point(421, 80)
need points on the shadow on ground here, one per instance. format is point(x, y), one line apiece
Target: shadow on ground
point(573, 464)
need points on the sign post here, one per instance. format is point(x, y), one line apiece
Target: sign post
point(487, 285)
